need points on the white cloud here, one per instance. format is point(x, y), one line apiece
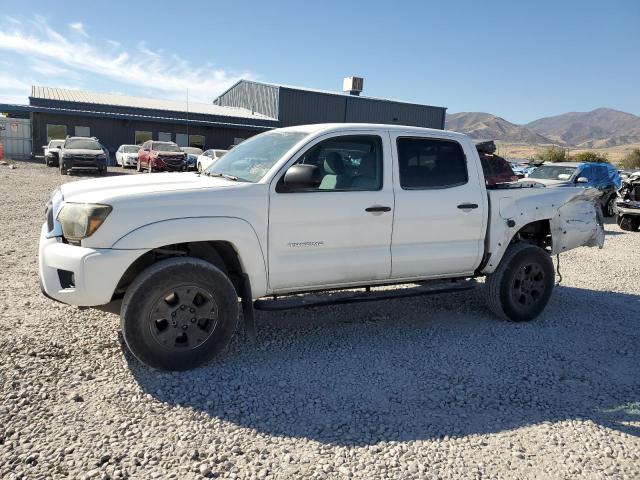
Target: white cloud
point(50, 69)
point(146, 69)
point(13, 90)
point(79, 27)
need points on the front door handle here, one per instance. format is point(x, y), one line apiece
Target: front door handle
point(377, 208)
point(467, 206)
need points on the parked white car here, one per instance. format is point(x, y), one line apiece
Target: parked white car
point(127, 155)
point(208, 157)
point(52, 152)
point(302, 209)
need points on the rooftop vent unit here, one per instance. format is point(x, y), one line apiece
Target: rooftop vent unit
point(353, 85)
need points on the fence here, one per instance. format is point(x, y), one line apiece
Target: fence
point(15, 136)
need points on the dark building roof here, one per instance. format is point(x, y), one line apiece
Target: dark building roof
point(298, 105)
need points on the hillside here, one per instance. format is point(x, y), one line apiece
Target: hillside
point(600, 128)
point(485, 126)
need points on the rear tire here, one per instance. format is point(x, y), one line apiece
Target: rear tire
point(520, 288)
point(178, 291)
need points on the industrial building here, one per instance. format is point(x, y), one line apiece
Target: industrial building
point(245, 109)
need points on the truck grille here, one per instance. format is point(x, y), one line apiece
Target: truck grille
point(172, 163)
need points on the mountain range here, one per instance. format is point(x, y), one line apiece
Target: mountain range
point(600, 128)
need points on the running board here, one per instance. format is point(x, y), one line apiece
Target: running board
point(341, 297)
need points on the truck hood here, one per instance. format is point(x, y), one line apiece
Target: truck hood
point(104, 190)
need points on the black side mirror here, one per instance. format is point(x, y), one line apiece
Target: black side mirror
point(302, 176)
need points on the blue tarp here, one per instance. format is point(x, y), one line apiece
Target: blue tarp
point(600, 175)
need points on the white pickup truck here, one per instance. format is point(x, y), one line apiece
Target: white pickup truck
point(298, 210)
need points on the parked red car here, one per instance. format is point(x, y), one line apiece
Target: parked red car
point(161, 156)
point(496, 169)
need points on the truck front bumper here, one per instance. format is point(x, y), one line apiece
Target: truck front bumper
point(628, 208)
point(80, 276)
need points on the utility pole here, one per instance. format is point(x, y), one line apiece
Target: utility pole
point(188, 142)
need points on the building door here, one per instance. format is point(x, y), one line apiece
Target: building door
point(182, 139)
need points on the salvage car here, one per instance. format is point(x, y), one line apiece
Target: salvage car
point(628, 203)
point(299, 210)
point(127, 156)
point(82, 154)
point(602, 176)
point(160, 157)
point(192, 156)
point(209, 157)
point(52, 152)
point(496, 169)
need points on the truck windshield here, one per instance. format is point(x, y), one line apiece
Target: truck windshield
point(82, 144)
point(253, 158)
point(553, 172)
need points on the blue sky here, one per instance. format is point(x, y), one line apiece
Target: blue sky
point(519, 60)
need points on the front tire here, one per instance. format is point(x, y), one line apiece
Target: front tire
point(179, 314)
point(520, 288)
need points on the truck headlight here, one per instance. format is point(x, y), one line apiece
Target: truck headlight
point(81, 220)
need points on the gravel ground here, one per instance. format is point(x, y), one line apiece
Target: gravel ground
point(430, 387)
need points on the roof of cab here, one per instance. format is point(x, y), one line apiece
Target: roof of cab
point(333, 127)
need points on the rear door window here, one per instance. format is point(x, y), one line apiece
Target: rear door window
point(431, 163)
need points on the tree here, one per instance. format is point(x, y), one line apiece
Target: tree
point(589, 157)
point(631, 160)
point(552, 154)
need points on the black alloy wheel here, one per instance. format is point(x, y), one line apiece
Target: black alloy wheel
point(183, 318)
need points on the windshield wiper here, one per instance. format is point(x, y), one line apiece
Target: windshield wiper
point(223, 175)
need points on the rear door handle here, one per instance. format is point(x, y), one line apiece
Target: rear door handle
point(467, 206)
point(377, 208)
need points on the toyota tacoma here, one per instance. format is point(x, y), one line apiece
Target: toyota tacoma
point(334, 208)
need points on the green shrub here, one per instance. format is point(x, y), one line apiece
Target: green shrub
point(589, 157)
point(552, 154)
point(631, 161)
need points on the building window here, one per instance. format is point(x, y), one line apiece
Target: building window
point(164, 136)
point(431, 163)
point(196, 141)
point(142, 137)
point(56, 132)
point(182, 139)
point(83, 132)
